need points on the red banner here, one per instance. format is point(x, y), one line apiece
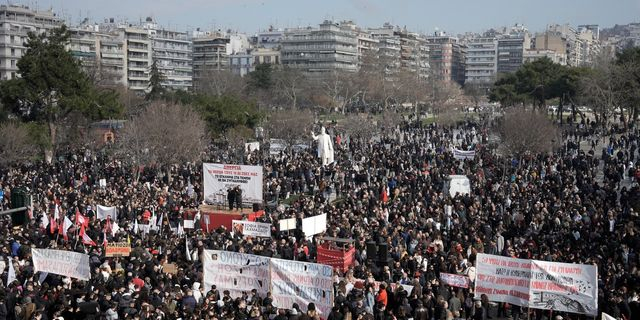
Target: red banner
point(338, 259)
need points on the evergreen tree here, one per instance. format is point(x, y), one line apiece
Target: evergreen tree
point(52, 85)
point(155, 83)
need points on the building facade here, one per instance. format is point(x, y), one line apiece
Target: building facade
point(511, 52)
point(209, 54)
point(446, 58)
point(326, 48)
point(172, 54)
point(481, 60)
point(15, 23)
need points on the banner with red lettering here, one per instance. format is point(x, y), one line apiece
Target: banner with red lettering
point(220, 179)
point(538, 284)
point(454, 280)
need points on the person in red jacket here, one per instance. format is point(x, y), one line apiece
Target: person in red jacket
point(382, 295)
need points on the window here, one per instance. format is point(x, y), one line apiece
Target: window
point(13, 75)
point(13, 63)
point(13, 52)
point(13, 39)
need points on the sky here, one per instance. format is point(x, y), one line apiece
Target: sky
point(251, 16)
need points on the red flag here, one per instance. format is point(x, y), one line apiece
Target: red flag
point(53, 225)
point(85, 238)
point(81, 220)
point(107, 226)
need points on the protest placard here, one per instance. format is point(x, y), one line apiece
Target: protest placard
point(171, 268)
point(287, 224)
point(314, 225)
point(117, 249)
point(454, 280)
point(250, 228)
point(64, 263)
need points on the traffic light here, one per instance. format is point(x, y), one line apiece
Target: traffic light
point(19, 198)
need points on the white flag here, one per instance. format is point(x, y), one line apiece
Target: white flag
point(44, 221)
point(114, 229)
point(607, 317)
point(135, 227)
point(56, 212)
point(186, 248)
point(11, 276)
point(180, 229)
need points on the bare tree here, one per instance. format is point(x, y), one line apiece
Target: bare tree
point(528, 132)
point(289, 125)
point(341, 87)
point(221, 82)
point(16, 145)
point(163, 134)
point(359, 125)
point(598, 87)
point(290, 84)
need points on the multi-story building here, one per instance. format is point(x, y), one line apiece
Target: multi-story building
point(388, 45)
point(111, 58)
point(209, 54)
point(269, 39)
point(323, 49)
point(511, 51)
point(15, 23)
point(241, 63)
point(265, 55)
point(414, 53)
point(446, 57)
point(101, 54)
point(138, 53)
point(481, 60)
point(535, 54)
point(172, 55)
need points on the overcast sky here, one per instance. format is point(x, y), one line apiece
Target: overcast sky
point(453, 16)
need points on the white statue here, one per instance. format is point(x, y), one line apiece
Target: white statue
point(325, 146)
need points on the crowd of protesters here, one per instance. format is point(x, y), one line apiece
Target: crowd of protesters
point(577, 205)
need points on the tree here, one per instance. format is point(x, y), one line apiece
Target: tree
point(261, 78)
point(289, 125)
point(289, 84)
point(225, 112)
point(527, 132)
point(17, 143)
point(163, 134)
point(535, 78)
point(628, 74)
point(359, 125)
point(341, 87)
point(52, 85)
point(598, 88)
point(475, 92)
point(222, 82)
point(156, 89)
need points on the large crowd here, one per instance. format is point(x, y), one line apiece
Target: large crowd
point(575, 205)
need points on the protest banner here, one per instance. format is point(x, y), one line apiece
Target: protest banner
point(564, 287)
point(287, 224)
point(538, 284)
point(302, 283)
point(250, 228)
point(314, 225)
point(117, 249)
point(463, 155)
point(219, 178)
point(236, 272)
point(251, 146)
point(454, 280)
point(104, 212)
point(64, 263)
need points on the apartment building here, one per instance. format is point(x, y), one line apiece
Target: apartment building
point(446, 58)
point(511, 50)
point(209, 54)
point(326, 48)
point(172, 54)
point(481, 60)
point(388, 45)
point(535, 54)
point(15, 23)
point(414, 52)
